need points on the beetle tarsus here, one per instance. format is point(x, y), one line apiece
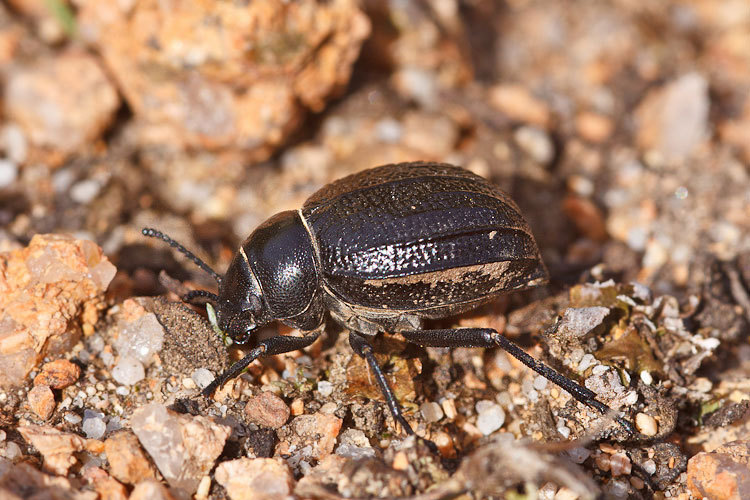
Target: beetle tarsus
point(487, 337)
point(274, 345)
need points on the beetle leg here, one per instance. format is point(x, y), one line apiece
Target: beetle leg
point(487, 337)
point(274, 345)
point(364, 350)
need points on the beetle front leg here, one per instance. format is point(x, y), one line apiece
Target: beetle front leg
point(268, 347)
point(364, 350)
point(487, 337)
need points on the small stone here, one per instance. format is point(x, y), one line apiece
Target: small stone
point(594, 127)
point(449, 408)
point(256, 479)
point(577, 322)
point(183, 447)
point(85, 191)
point(490, 419)
point(619, 464)
point(317, 433)
point(325, 388)
point(8, 173)
point(140, 338)
point(58, 374)
point(202, 377)
point(540, 383)
point(646, 424)
point(723, 474)
point(519, 104)
point(56, 447)
point(566, 494)
point(12, 451)
point(204, 488)
point(268, 410)
point(579, 454)
point(150, 489)
point(586, 362)
point(353, 443)
point(42, 401)
point(646, 377)
point(536, 143)
point(431, 411)
point(93, 424)
point(128, 371)
point(127, 460)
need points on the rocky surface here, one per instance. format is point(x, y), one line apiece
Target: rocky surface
point(621, 130)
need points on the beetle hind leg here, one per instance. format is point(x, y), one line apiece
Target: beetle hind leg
point(487, 337)
point(364, 350)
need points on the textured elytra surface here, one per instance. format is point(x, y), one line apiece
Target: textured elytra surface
point(394, 236)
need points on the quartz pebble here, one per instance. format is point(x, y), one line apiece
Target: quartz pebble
point(353, 443)
point(202, 377)
point(646, 424)
point(140, 339)
point(128, 371)
point(256, 478)
point(491, 417)
point(431, 411)
point(93, 424)
point(128, 462)
point(325, 388)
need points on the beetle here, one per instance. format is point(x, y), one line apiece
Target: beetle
point(381, 251)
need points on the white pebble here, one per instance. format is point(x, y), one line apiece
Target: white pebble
point(325, 388)
point(12, 451)
point(579, 454)
point(389, 130)
point(202, 377)
point(85, 191)
point(72, 418)
point(540, 383)
point(646, 424)
point(13, 142)
point(587, 361)
point(650, 467)
point(431, 411)
point(536, 143)
point(122, 390)
point(128, 371)
point(93, 424)
point(600, 370)
point(8, 173)
point(490, 419)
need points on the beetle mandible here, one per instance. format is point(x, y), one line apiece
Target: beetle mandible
point(382, 250)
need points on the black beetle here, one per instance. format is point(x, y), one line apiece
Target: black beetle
point(382, 250)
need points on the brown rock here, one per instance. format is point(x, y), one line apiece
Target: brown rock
point(62, 102)
point(723, 474)
point(128, 462)
point(230, 77)
point(318, 431)
point(42, 401)
point(25, 481)
point(46, 291)
point(58, 374)
point(587, 217)
point(594, 127)
point(255, 478)
point(268, 410)
point(56, 447)
point(107, 487)
point(519, 104)
point(151, 489)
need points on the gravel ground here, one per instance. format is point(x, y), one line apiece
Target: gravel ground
point(622, 130)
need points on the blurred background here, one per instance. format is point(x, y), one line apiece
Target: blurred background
point(621, 128)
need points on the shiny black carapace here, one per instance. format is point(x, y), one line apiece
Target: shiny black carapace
point(381, 250)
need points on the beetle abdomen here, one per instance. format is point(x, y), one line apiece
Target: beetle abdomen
point(420, 235)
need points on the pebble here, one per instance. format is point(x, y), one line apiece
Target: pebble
point(141, 338)
point(449, 408)
point(490, 419)
point(519, 104)
point(722, 474)
point(183, 447)
point(72, 418)
point(202, 377)
point(579, 454)
point(325, 388)
point(619, 464)
point(267, 410)
point(646, 424)
point(650, 467)
point(646, 377)
point(128, 463)
point(431, 411)
point(128, 371)
point(540, 383)
point(58, 448)
point(14, 144)
point(93, 424)
point(42, 401)
point(12, 451)
point(566, 494)
point(536, 143)
point(8, 173)
point(594, 127)
point(58, 374)
point(353, 443)
point(85, 191)
point(256, 478)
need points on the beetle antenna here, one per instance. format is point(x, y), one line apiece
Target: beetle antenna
point(192, 294)
point(153, 233)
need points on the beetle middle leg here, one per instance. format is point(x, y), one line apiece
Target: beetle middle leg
point(487, 337)
point(364, 350)
point(268, 347)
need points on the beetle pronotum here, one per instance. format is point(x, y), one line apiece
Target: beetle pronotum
point(382, 250)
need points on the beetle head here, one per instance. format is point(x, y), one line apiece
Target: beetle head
point(240, 309)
